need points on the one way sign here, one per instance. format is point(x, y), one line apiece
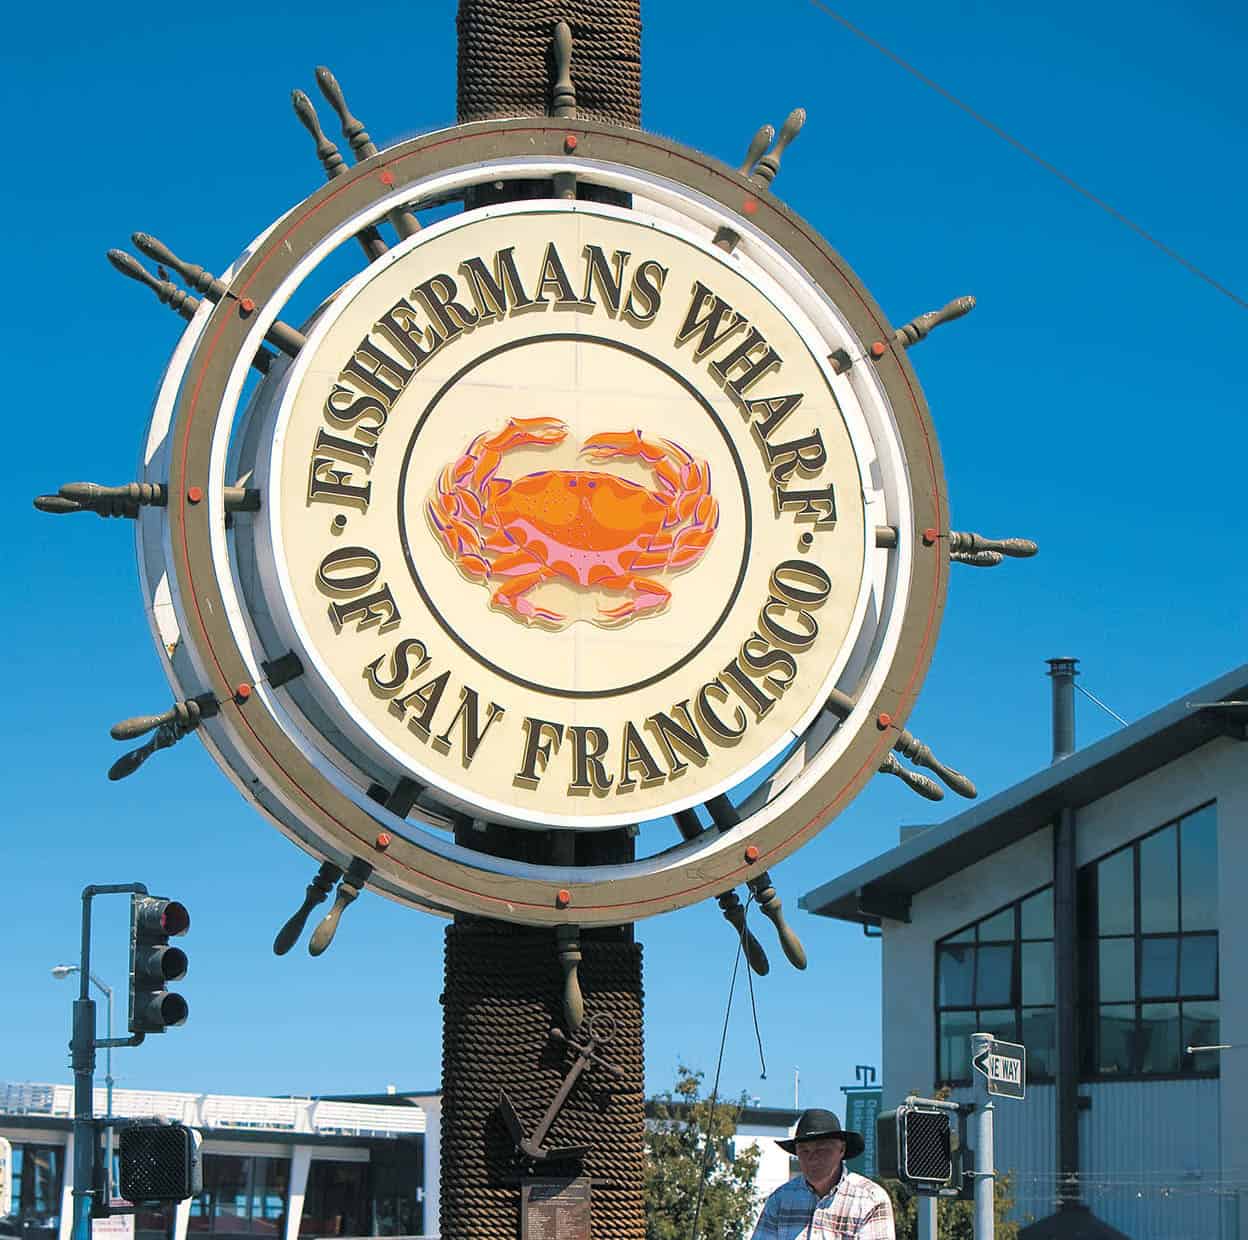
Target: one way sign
point(1005, 1066)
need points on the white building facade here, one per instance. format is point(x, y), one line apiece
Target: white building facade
point(1094, 913)
point(282, 1168)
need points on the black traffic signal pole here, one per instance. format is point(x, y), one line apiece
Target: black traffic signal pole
point(82, 1047)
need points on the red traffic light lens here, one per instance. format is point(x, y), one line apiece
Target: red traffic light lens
point(174, 919)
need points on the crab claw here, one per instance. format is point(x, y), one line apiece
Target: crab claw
point(519, 431)
point(607, 444)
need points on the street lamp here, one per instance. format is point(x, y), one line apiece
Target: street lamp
point(63, 971)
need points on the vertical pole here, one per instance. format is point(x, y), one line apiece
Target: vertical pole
point(927, 1218)
point(108, 1101)
point(82, 1057)
point(1066, 961)
point(985, 1171)
point(1063, 672)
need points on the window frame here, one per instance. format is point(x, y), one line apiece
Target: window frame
point(1089, 1002)
point(1015, 1003)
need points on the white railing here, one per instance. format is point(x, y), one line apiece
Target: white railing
point(220, 1110)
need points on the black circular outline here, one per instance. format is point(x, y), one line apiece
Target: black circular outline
point(585, 694)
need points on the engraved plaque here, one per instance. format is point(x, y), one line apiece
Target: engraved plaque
point(555, 1209)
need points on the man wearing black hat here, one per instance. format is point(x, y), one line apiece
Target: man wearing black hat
point(827, 1201)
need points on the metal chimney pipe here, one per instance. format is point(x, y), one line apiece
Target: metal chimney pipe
point(1063, 672)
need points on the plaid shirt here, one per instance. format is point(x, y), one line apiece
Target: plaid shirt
point(854, 1206)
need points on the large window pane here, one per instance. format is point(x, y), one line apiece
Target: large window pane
point(1040, 1040)
point(1036, 915)
point(998, 928)
point(1159, 968)
point(994, 976)
point(1000, 1023)
point(1115, 893)
point(957, 975)
point(962, 936)
point(1200, 1028)
point(1037, 981)
point(1159, 1038)
point(335, 1203)
point(955, 1045)
point(1117, 969)
point(1198, 834)
point(1198, 965)
point(1159, 882)
point(268, 1195)
point(1115, 1039)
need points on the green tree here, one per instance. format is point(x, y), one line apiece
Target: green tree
point(681, 1125)
point(955, 1220)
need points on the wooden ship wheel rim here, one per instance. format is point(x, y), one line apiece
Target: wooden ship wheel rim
point(312, 801)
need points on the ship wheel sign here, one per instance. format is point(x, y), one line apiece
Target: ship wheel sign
point(614, 506)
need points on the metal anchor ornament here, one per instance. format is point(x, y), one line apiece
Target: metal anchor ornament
point(601, 1030)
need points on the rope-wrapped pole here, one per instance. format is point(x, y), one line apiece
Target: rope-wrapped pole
point(508, 986)
point(506, 58)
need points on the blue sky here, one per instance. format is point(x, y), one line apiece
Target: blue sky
point(1094, 401)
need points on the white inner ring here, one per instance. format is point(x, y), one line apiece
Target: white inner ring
point(892, 586)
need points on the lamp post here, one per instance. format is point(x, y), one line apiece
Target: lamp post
point(63, 971)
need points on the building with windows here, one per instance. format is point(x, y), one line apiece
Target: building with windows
point(283, 1168)
point(1093, 913)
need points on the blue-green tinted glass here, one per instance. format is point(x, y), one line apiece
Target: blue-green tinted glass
point(1037, 981)
point(1198, 965)
point(1159, 882)
point(1117, 969)
point(1159, 968)
point(998, 928)
point(1115, 894)
point(1160, 1052)
point(962, 936)
point(1200, 1028)
point(268, 1196)
point(955, 1045)
point(1036, 914)
point(994, 976)
point(957, 975)
point(1001, 1023)
point(1198, 835)
point(1039, 1039)
point(1115, 1039)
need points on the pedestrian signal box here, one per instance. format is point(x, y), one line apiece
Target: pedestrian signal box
point(159, 1162)
point(914, 1144)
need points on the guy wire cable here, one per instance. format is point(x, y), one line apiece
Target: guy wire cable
point(979, 118)
point(710, 1122)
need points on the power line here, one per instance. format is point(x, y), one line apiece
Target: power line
point(1032, 155)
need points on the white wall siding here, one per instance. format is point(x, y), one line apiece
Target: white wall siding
point(1025, 1147)
point(1149, 1152)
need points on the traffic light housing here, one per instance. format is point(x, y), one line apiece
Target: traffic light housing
point(159, 1162)
point(153, 963)
point(914, 1144)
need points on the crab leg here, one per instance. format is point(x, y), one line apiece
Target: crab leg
point(510, 597)
point(646, 594)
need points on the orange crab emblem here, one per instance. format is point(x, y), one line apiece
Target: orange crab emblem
point(587, 527)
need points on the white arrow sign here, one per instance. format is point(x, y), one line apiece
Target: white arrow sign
point(1005, 1066)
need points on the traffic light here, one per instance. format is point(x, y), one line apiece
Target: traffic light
point(159, 1162)
point(153, 963)
point(914, 1144)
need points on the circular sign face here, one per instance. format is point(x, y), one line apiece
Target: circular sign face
point(568, 514)
point(620, 512)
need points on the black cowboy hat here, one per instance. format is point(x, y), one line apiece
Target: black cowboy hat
point(820, 1123)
